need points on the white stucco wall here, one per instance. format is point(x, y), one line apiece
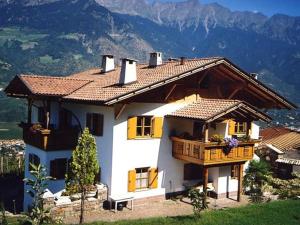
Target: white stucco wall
point(131, 154)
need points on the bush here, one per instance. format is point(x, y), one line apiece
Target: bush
point(198, 200)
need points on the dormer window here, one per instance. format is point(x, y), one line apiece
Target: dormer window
point(240, 128)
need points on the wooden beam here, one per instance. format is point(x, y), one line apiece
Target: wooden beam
point(205, 178)
point(203, 76)
point(220, 94)
point(170, 91)
point(240, 181)
point(234, 92)
point(119, 112)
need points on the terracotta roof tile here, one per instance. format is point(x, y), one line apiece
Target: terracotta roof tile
point(286, 141)
point(105, 85)
point(272, 132)
point(211, 109)
point(58, 86)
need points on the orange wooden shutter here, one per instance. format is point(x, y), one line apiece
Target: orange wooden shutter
point(131, 180)
point(131, 127)
point(231, 127)
point(157, 127)
point(153, 178)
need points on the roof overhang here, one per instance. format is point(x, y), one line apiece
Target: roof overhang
point(236, 110)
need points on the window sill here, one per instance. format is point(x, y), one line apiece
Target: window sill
point(142, 189)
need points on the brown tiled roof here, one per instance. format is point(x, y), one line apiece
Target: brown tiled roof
point(284, 142)
point(272, 132)
point(58, 86)
point(295, 162)
point(211, 109)
point(92, 85)
point(105, 86)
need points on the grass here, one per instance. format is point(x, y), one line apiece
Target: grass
point(273, 213)
point(10, 131)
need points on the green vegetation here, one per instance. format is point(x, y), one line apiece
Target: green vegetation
point(10, 131)
point(274, 213)
point(37, 215)
point(84, 167)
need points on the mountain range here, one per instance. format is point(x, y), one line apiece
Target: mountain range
point(59, 37)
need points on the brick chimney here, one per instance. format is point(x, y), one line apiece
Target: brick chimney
point(108, 63)
point(155, 59)
point(128, 71)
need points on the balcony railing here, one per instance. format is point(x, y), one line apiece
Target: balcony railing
point(211, 153)
point(50, 139)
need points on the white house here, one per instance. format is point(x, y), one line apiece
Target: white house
point(155, 124)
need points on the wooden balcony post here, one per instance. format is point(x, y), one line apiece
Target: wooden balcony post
point(240, 181)
point(205, 177)
point(248, 128)
point(206, 133)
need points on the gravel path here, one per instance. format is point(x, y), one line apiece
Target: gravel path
point(157, 209)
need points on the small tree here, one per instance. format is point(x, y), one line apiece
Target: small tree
point(84, 166)
point(256, 176)
point(38, 185)
point(198, 200)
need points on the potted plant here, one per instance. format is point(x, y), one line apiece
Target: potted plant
point(230, 144)
point(216, 138)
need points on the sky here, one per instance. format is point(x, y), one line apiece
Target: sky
point(267, 7)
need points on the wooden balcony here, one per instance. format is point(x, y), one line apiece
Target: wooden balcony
point(211, 153)
point(50, 139)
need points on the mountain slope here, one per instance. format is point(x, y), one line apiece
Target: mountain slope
point(60, 37)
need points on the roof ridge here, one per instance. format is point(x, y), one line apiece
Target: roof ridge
point(53, 77)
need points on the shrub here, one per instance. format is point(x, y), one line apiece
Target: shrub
point(198, 200)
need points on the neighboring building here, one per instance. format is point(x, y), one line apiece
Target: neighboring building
point(152, 123)
point(281, 147)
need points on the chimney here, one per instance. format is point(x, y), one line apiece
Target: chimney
point(182, 60)
point(155, 59)
point(128, 71)
point(108, 63)
point(254, 75)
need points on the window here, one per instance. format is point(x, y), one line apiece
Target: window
point(65, 119)
point(58, 168)
point(41, 115)
point(143, 127)
point(33, 159)
point(94, 121)
point(141, 178)
point(240, 127)
point(235, 171)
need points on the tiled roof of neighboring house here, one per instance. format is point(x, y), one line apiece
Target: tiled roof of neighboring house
point(211, 109)
point(295, 162)
point(282, 138)
point(272, 132)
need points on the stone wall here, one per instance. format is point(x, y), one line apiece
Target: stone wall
point(62, 208)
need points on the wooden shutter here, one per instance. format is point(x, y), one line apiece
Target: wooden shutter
point(98, 124)
point(88, 122)
point(157, 127)
point(153, 178)
point(131, 127)
point(231, 127)
point(131, 180)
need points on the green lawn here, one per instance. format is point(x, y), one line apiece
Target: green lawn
point(279, 212)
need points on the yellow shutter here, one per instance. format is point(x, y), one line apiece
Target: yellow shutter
point(131, 126)
point(231, 125)
point(157, 127)
point(153, 178)
point(131, 180)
